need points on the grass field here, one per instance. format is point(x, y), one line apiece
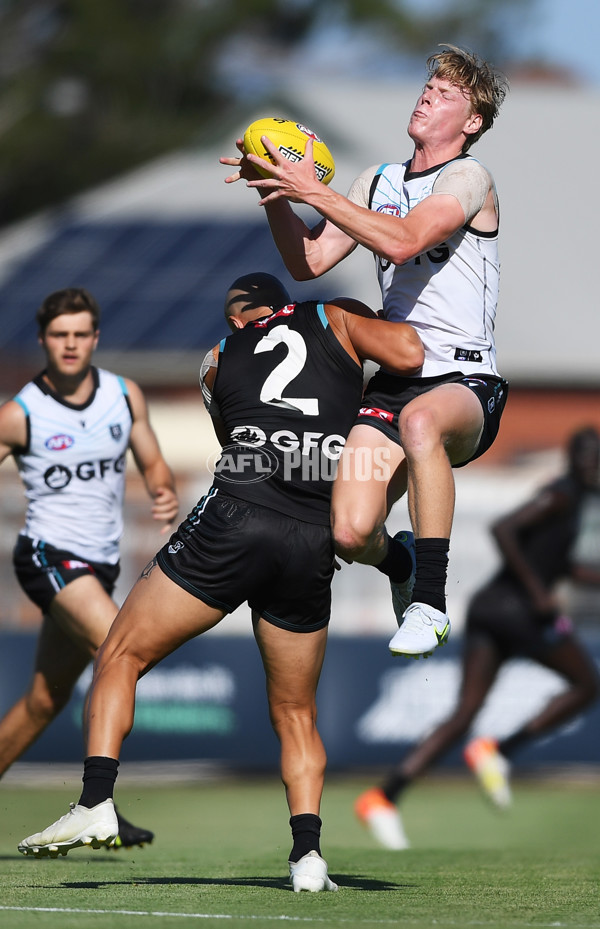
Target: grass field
point(220, 859)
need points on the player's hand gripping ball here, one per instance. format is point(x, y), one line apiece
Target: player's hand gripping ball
point(290, 139)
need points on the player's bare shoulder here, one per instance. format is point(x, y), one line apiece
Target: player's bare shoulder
point(13, 428)
point(361, 186)
point(341, 305)
point(137, 399)
point(470, 182)
point(340, 311)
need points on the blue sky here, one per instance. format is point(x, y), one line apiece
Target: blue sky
point(555, 32)
point(564, 32)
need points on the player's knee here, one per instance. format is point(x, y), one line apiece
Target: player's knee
point(44, 702)
point(292, 718)
point(419, 431)
point(117, 660)
point(351, 537)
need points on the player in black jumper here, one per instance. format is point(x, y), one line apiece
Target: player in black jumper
point(516, 614)
point(283, 391)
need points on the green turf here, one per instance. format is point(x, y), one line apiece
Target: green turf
point(219, 860)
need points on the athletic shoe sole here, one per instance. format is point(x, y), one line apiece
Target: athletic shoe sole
point(420, 633)
point(441, 642)
point(98, 828)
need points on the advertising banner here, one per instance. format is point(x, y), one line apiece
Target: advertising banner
point(207, 702)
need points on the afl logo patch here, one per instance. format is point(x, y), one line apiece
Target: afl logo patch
point(58, 443)
point(312, 135)
point(116, 432)
point(390, 209)
point(244, 464)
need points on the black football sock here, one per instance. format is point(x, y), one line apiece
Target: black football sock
point(510, 745)
point(432, 569)
point(397, 564)
point(99, 776)
point(306, 833)
point(394, 786)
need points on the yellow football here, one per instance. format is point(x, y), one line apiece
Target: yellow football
point(290, 139)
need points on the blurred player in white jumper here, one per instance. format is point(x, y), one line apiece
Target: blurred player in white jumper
point(69, 430)
point(515, 615)
point(432, 224)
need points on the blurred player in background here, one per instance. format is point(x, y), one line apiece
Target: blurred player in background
point(69, 430)
point(516, 614)
point(283, 391)
point(432, 224)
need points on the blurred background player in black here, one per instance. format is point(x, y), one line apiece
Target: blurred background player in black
point(516, 614)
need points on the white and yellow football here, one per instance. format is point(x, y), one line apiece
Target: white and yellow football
point(290, 139)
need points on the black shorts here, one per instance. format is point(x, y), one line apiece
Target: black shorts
point(386, 396)
point(501, 613)
point(228, 551)
point(43, 570)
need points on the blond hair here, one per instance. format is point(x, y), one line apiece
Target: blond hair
point(486, 86)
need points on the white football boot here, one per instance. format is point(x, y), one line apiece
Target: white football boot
point(310, 873)
point(80, 826)
point(381, 818)
point(491, 769)
point(423, 629)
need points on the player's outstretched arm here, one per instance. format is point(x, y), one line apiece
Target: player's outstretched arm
point(395, 239)
point(149, 459)
point(306, 252)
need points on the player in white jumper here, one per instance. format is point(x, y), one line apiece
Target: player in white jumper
point(69, 430)
point(432, 224)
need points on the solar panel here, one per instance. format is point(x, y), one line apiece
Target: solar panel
point(160, 284)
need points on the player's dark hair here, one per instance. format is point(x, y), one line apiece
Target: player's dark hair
point(254, 290)
point(486, 86)
point(69, 300)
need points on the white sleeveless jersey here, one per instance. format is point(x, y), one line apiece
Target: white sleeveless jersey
point(73, 468)
point(448, 294)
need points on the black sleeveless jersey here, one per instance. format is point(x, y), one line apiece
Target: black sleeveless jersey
point(547, 546)
point(287, 393)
